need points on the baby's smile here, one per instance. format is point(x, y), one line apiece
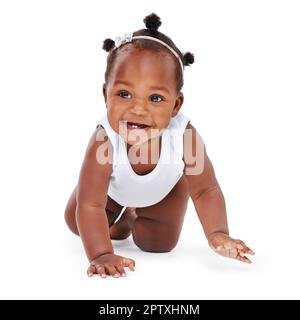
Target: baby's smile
point(136, 125)
point(137, 132)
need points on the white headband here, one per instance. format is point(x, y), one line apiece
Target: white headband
point(128, 37)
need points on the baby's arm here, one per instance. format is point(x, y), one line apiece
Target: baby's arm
point(208, 199)
point(91, 216)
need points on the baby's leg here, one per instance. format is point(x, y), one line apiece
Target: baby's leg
point(157, 228)
point(113, 210)
point(121, 229)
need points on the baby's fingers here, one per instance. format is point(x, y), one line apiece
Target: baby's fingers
point(101, 271)
point(91, 270)
point(239, 247)
point(249, 251)
point(121, 270)
point(112, 270)
point(130, 263)
point(96, 269)
point(243, 259)
point(244, 247)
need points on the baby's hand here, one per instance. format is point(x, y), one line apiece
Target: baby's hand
point(110, 264)
point(228, 247)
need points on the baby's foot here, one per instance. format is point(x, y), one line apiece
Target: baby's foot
point(121, 229)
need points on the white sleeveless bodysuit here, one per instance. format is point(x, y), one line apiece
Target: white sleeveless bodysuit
point(132, 190)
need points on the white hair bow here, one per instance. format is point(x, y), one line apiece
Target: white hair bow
point(127, 37)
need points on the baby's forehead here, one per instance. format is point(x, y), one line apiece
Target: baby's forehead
point(146, 63)
point(137, 54)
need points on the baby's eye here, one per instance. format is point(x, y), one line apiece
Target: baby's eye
point(123, 94)
point(159, 97)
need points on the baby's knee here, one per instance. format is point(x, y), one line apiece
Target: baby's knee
point(153, 243)
point(154, 246)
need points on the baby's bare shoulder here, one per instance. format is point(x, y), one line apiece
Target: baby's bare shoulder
point(99, 153)
point(193, 143)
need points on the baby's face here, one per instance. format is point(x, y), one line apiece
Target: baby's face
point(142, 90)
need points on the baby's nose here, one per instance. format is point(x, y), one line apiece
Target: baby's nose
point(139, 109)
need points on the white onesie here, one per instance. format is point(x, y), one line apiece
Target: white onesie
point(132, 190)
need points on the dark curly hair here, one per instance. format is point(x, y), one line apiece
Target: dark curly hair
point(152, 23)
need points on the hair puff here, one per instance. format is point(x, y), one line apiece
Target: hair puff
point(152, 22)
point(188, 58)
point(108, 44)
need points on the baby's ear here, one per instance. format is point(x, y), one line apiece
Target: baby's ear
point(104, 91)
point(178, 103)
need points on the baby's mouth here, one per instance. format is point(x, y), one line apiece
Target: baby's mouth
point(133, 125)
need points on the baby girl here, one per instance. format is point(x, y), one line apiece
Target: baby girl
point(120, 192)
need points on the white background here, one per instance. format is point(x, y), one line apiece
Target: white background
point(242, 94)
